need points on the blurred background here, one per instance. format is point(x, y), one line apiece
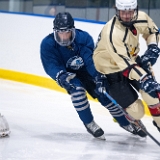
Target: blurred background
point(96, 10)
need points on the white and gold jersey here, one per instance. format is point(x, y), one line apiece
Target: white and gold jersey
point(118, 46)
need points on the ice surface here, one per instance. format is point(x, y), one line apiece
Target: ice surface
point(45, 126)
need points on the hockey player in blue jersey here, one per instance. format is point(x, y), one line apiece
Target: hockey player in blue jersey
point(66, 56)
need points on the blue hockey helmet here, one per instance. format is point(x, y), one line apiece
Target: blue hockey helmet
point(64, 24)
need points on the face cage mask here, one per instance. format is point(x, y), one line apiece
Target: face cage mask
point(65, 42)
point(133, 20)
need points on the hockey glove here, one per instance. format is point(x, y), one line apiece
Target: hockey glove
point(64, 80)
point(138, 60)
point(151, 55)
point(150, 86)
point(101, 84)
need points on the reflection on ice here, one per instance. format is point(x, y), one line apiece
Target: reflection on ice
point(43, 127)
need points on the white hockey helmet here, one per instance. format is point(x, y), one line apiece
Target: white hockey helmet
point(127, 5)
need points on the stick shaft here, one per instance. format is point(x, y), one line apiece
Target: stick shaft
point(131, 118)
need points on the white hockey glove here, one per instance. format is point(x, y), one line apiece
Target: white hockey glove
point(4, 127)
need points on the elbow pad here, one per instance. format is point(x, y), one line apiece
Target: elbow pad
point(134, 72)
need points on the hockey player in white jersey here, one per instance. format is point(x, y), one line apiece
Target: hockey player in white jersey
point(4, 127)
point(116, 56)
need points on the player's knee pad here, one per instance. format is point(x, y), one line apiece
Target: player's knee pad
point(148, 99)
point(136, 109)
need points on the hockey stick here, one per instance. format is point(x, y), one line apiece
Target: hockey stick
point(130, 117)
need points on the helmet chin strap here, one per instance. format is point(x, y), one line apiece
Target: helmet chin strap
point(128, 24)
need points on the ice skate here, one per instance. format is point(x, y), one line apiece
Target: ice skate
point(140, 129)
point(4, 127)
point(95, 130)
point(155, 124)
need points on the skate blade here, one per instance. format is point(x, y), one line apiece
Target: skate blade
point(101, 137)
point(6, 134)
point(139, 137)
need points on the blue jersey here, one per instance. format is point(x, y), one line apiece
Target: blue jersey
point(76, 58)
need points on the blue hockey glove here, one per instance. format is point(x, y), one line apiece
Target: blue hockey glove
point(64, 78)
point(101, 84)
point(150, 86)
point(150, 56)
